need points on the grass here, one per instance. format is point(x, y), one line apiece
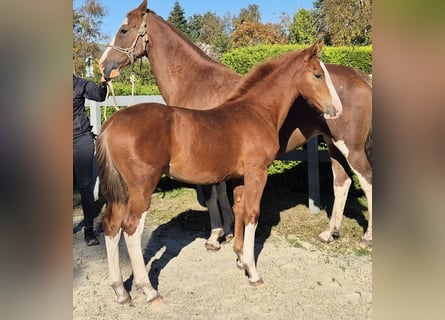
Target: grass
point(284, 210)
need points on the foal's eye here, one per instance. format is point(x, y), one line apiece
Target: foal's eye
point(318, 75)
point(123, 31)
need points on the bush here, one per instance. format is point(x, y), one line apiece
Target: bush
point(242, 60)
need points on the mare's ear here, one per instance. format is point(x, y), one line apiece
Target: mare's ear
point(314, 50)
point(143, 7)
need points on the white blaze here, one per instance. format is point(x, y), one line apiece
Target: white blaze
point(335, 98)
point(104, 55)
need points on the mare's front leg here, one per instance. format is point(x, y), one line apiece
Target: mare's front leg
point(226, 208)
point(342, 183)
point(216, 226)
point(112, 231)
point(360, 165)
point(133, 228)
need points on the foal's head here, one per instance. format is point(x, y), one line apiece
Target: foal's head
point(129, 43)
point(315, 85)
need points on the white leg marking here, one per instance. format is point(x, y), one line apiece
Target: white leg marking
point(111, 245)
point(115, 275)
point(137, 260)
point(335, 98)
point(248, 252)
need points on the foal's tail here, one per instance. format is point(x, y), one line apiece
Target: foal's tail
point(368, 146)
point(113, 185)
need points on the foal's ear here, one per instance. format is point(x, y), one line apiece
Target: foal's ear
point(143, 7)
point(314, 50)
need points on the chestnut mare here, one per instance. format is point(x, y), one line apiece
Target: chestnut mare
point(140, 143)
point(177, 64)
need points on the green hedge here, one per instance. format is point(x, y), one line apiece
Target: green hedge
point(242, 60)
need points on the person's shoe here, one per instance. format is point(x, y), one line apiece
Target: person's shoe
point(90, 237)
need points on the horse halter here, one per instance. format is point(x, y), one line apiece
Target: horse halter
point(142, 32)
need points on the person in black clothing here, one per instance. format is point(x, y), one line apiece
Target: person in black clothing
point(83, 149)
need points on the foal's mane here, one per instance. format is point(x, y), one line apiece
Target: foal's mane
point(261, 71)
point(183, 37)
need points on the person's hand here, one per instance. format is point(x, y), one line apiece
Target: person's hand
point(103, 81)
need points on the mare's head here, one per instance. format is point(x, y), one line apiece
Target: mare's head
point(129, 43)
point(316, 85)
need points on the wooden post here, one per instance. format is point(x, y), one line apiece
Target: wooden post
point(313, 175)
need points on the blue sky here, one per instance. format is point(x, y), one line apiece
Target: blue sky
point(270, 9)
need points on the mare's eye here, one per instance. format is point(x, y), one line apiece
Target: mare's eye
point(318, 75)
point(123, 31)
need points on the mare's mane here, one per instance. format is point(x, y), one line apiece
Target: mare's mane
point(183, 37)
point(262, 71)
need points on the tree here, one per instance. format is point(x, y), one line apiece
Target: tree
point(208, 29)
point(177, 18)
point(251, 33)
point(86, 33)
point(302, 30)
point(251, 14)
point(344, 22)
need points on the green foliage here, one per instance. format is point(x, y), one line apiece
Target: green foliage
point(251, 14)
point(177, 17)
point(302, 30)
point(344, 22)
point(242, 60)
point(357, 57)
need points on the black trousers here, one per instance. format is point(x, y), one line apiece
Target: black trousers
point(84, 160)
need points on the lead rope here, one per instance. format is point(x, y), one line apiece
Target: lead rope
point(132, 80)
point(110, 88)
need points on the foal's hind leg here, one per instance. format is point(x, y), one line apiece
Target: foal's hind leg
point(112, 232)
point(210, 196)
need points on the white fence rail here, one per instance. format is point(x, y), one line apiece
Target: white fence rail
point(310, 154)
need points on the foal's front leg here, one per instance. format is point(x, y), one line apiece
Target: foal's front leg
point(238, 209)
point(254, 183)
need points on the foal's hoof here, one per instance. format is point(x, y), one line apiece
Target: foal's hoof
point(259, 283)
point(156, 299)
point(365, 243)
point(124, 300)
point(212, 247)
point(240, 265)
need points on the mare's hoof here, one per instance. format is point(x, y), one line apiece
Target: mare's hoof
point(259, 283)
point(326, 236)
point(212, 247)
point(365, 243)
point(156, 299)
point(228, 237)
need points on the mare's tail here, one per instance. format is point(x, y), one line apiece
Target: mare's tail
point(368, 146)
point(112, 184)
